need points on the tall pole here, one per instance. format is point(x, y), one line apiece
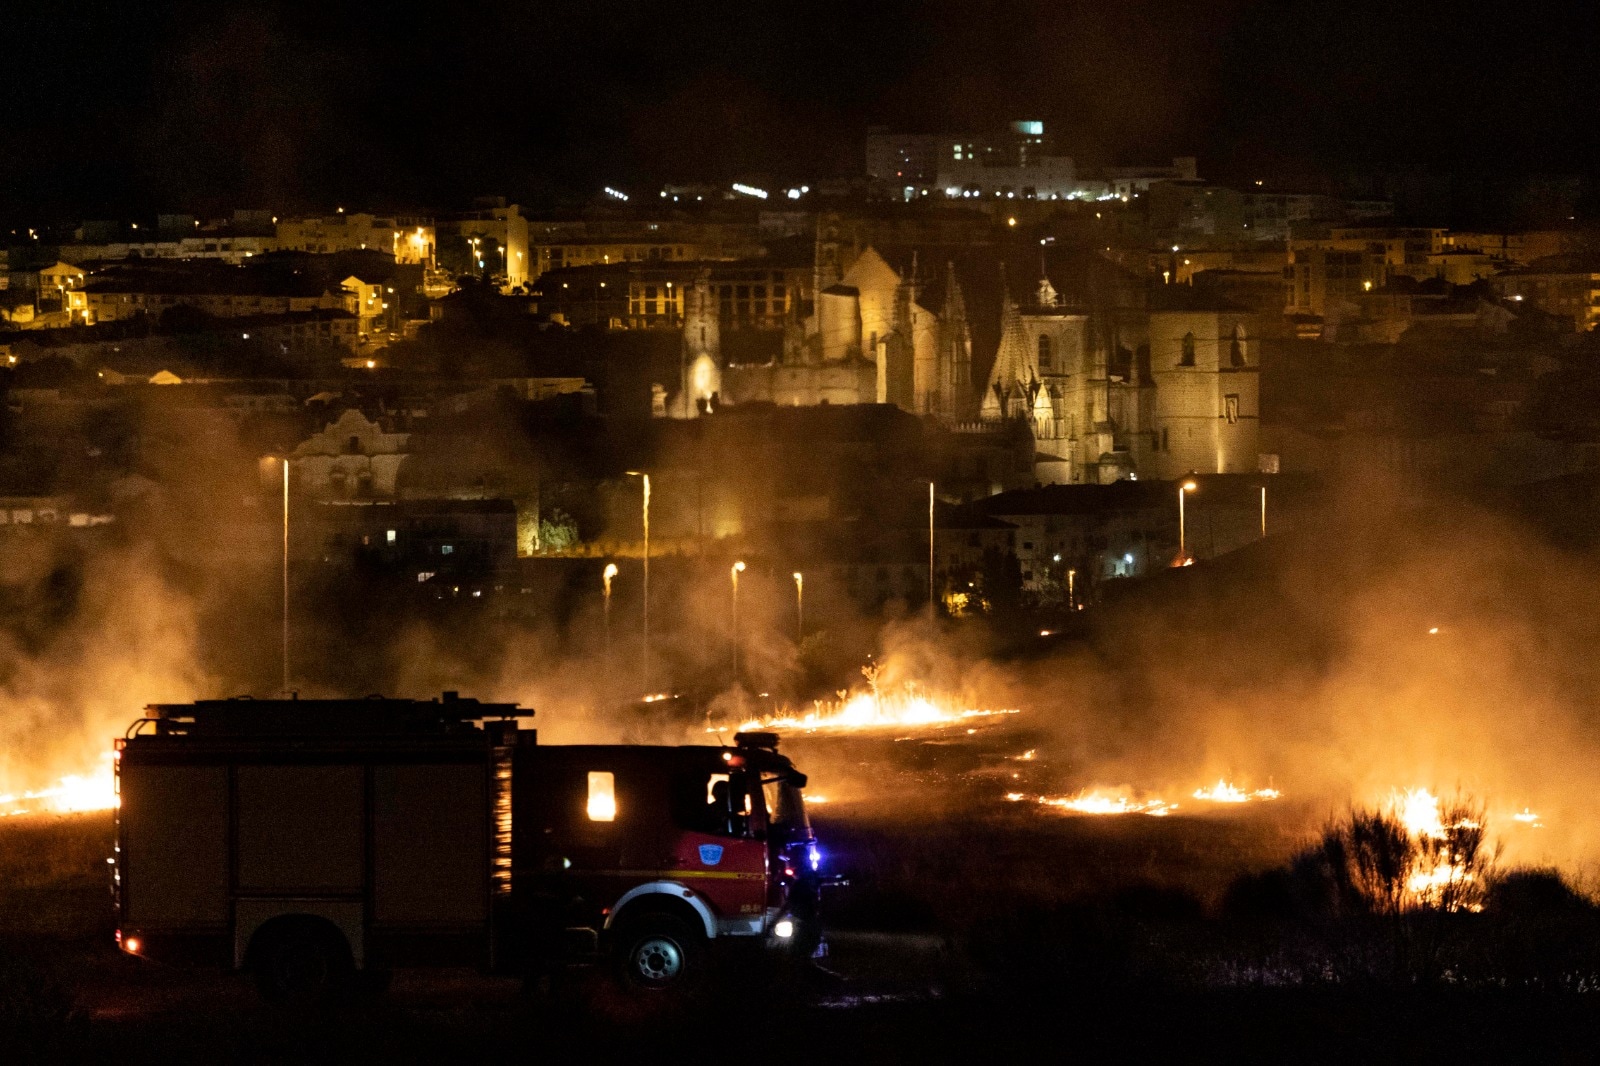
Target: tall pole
point(734, 572)
point(933, 609)
point(645, 659)
point(1184, 488)
point(286, 575)
point(1182, 552)
point(799, 608)
point(1263, 510)
point(609, 573)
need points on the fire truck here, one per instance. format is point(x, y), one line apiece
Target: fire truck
point(310, 842)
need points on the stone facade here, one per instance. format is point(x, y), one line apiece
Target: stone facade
point(353, 458)
point(1156, 394)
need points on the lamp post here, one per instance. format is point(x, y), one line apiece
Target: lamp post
point(1183, 551)
point(933, 609)
point(645, 658)
point(799, 607)
point(610, 572)
point(285, 574)
point(734, 572)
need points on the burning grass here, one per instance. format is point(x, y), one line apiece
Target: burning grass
point(907, 705)
point(71, 793)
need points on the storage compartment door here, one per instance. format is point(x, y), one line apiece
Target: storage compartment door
point(300, 830)
point(430, 844)
point(175, 847)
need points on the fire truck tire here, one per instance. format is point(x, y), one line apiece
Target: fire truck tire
point(657, 953)
point(301, 963)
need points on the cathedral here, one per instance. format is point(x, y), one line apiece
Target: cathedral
point(1116, 378)
point(1115, 389)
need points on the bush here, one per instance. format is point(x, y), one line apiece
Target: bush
point(1382, 895)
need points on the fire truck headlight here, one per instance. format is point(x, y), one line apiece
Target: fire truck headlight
point(814, 856)
point(784, 929)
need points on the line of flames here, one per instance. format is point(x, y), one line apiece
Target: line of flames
point(70, 794)
point(907, 706)
point(1102, 801)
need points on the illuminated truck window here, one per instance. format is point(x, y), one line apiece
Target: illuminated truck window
point(602, 796)
point(718, 803)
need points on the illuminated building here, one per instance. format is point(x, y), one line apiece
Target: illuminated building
point(1117, 385)
point(1567, 286)
point(369, 303)
point(1320, 279)
point(501, 232)
point(409, 240)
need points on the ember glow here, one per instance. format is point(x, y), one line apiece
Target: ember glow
point(1226, 792)
point(1102, 801)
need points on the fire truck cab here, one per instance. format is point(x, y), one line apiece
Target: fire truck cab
point(308, 840)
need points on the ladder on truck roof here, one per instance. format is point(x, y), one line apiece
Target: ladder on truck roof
point(245, 716)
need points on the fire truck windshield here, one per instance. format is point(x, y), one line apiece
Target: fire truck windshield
point(786, 808)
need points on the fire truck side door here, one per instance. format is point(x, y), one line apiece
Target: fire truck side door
point(720, 849)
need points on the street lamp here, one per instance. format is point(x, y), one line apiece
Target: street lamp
point(932, 604)
point(1183, 552)
point(799, 607)
point(610, 572)
point(734, 572)
point(645, 659)
point(284, 647)
point(286, 574)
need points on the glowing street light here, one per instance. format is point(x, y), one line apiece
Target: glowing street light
point(610, 572)
point(1183, 552)
point(933, 609)
point(799, 607)
point(734, 572)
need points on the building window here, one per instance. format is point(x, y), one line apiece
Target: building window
point(1187, 358)
point(1236, 349)
point(602, 806)
point(1045, 361)
point(1230, 408)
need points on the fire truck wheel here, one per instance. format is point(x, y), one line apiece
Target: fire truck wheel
point(302, 964)
point(658, 953)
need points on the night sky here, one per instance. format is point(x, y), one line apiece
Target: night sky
point(131, 108)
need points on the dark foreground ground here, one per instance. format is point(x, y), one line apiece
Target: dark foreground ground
point(973, 930)
point(990, 936)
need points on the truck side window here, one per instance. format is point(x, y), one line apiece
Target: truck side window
point(716, 803)
point(602, 796)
